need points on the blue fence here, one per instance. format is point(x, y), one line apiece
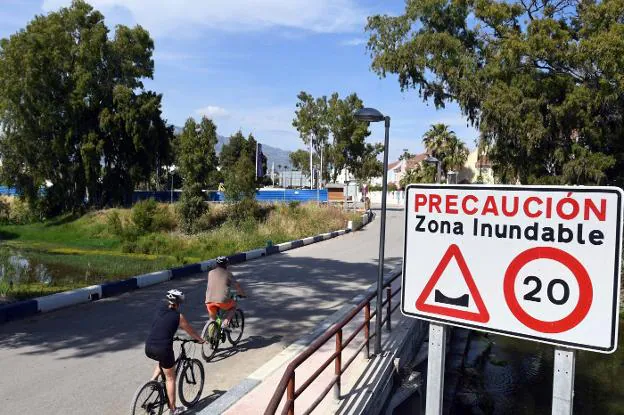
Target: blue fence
point(292, 195)
point(282, 195)
point(8, 191)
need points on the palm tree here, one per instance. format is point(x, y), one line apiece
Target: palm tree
point(444, 145)
point(435, 138)
point(455, 154)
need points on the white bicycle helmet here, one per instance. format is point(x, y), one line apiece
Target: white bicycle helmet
point(175, 296)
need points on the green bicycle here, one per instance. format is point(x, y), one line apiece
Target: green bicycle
point(214, 334)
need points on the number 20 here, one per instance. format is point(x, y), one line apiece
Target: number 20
point(532, 295)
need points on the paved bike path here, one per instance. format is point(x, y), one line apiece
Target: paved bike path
point(89, 358)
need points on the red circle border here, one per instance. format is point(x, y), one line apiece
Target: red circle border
point(586, 291)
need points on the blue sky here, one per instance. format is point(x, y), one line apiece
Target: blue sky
point(243, 62)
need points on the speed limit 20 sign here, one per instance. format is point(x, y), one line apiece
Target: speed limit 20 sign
point(540, 263)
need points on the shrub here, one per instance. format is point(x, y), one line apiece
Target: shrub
point(5, 211)
point(211, 220)
point(148, 217)
point(293, 205)
point(113, 223)
point(163, 220)
point(191, 207)
point(21, 213)
point(244, 209)
point(142, 215)
point(129, 247)
point(153, 244)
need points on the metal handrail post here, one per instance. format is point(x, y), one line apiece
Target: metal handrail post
point(338, 364)
point(389, 307)
point(367, 319)
point(290, 395)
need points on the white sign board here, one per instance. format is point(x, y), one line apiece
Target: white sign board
point(540, 263)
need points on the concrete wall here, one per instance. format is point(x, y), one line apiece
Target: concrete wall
point(396, 198)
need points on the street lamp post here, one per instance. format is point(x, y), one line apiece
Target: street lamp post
point(171, 169)
point(432, 160)
point(373, 115)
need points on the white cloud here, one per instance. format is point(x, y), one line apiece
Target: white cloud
point(353, 42)
point(167, 17)
point(213, 112)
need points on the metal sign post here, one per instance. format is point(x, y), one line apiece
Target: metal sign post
point(435, 368)
point(563, 382)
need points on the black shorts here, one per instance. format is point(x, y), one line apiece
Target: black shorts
point(162, 354)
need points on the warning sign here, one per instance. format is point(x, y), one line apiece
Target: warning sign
point(541, 263)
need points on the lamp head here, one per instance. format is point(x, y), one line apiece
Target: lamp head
point(369, 115)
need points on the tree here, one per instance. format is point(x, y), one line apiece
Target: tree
point(74, 111)
point(300, 160)
point(444, 145)
point(435, 140)
point(349, 148)
point(422, 173)
point(406, 155)
point(311, 121)
point(316, 118)
point(236, 146)
point(240, 180)
point(238, 161)
point(542, 80)
point(196, 154)
point(455, 154)
point(197, 163)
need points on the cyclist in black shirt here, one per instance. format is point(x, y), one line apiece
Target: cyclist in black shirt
point(159, 343)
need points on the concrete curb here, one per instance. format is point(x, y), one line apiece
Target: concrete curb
point(28, 308)
point(224, 402)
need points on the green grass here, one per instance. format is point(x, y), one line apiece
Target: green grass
point(83, 251)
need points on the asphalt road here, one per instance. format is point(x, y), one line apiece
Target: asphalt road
point(90, 359)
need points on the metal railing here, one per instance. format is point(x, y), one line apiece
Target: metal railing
point(287, 383)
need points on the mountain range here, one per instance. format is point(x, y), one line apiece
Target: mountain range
point(273, 154)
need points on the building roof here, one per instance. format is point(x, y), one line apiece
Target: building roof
point(413, 162)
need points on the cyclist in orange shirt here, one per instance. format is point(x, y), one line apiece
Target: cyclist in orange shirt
point(219, 291)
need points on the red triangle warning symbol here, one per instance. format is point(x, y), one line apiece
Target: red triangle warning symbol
point(482, 316)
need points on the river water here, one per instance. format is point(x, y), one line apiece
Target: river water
point(502, 375)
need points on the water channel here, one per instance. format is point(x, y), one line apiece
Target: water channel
point(502, 375)
point(490, 375)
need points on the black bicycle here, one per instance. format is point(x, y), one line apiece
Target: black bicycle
point(152, 399)
point(214, 333)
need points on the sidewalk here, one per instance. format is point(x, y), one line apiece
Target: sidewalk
point(360, 383)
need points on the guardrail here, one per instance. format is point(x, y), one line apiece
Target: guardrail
point(287, 383)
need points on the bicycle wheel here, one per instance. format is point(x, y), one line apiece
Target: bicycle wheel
point(211, 334)
point(149, 399)
point(191, 382)
point(237, 325)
